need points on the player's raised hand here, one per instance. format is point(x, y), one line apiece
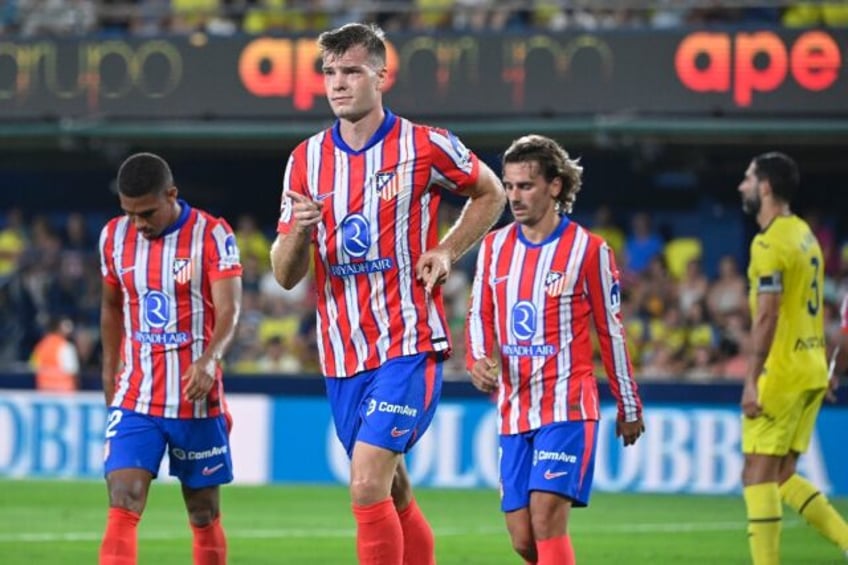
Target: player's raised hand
point(433, 268)
point(629, 432)
point(750, 400)
point(484, 375)
point(199, 379)
point(306, 212)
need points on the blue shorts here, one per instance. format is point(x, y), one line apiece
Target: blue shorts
point(391, 406)
point(198, 449)
point(557, 458)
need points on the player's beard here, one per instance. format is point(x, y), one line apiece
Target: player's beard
point(752, 205)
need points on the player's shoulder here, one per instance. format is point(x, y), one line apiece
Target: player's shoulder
point(210, 219)
point(111, 226)
point(594, 241)
point(500, 234)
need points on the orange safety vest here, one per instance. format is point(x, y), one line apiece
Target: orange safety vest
point(49, 373)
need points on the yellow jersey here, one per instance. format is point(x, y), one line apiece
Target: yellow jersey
point(786, 258)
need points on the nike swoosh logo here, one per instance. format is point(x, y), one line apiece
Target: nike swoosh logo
point(126, 270)
point(324, 196)
point(553, 475)
point(499, 280)
point(211, 470)
point(398, 433)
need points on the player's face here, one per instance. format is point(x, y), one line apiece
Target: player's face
point(352, 83)
point(152, 213)
point(530, 195)
point(749, 188)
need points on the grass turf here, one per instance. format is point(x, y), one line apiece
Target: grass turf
point(61, 522)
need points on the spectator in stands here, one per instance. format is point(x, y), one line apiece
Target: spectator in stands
point(727, 295)
point(55, 359)
point(13, 242)
point(693, 287)
point(57, 17)
point(813, 14)
point(655, 289)
point(702, 367)
point(278, 357)
point(606, 227)
point(252, 242)
point(642, 245)
point(76, 236)
point(679, 252)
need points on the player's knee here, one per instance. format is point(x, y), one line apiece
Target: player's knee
point(201, 517)
point(525, 546)
point(129, 496)
point(366, 490)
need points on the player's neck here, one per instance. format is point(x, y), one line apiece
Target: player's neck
point(357, 134)
point(771, 210)
point(541, 230)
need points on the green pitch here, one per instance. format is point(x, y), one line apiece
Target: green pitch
point(61, 522)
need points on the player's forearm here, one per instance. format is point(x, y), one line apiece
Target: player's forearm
point(477, 218)
point(226, 320)
point(111, 332)
point(290, 258)
point(762, 336)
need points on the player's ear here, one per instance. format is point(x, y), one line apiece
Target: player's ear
point(382, 74)
point(172, 193)
point(556, 187)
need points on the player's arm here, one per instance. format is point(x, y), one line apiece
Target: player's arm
point(485, 205)
point(480, 326)
point(604, 288)
point(290, 251)
point(226, 301)
point(299, 214)
point(763, 328)
point(111, 335)
point(461, 171)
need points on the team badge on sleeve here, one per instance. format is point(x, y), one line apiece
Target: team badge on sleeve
point(182, 270)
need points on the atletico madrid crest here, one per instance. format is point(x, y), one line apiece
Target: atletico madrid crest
point(555, 283)
point(387, 184)
point(182, 270)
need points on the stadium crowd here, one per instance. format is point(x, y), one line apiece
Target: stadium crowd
point(681, 323)
point(39, 18)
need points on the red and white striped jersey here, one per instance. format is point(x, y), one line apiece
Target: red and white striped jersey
point(535, 301)
point(379, 216)
point(168, 309)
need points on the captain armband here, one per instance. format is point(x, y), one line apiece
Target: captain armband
point(770, 283)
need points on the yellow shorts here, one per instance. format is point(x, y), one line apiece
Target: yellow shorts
point(786, 423)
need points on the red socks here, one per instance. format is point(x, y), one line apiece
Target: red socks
point(556, 551)
point(120, 543)
point(379, 537)
point(419, 547)
point(210, 544)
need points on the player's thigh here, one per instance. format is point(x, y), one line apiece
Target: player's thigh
point(132, 441)
point(401, 401)
point(564, 455)
point(806, 423)
point(515, 459)
point(549, 514)
point(199, 451)
point(772, 432)
point(348, 398)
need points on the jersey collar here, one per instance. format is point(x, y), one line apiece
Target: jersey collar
point(388, 123)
